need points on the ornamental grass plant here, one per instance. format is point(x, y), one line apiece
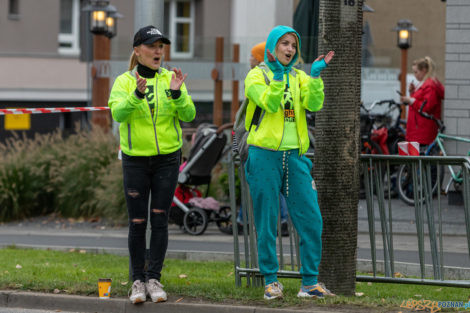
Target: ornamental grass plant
point(74, 176)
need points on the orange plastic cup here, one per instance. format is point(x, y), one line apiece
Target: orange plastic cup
point(104, 288)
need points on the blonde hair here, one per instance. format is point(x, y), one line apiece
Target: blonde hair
point(132, 61)
point(426, 64)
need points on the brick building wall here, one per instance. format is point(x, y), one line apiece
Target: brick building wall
point(457, 74)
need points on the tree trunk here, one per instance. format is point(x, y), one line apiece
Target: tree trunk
point(336, 168)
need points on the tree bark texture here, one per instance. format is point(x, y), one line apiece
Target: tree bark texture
point(336, 166)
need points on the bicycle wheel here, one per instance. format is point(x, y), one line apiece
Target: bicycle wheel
point(405, 180)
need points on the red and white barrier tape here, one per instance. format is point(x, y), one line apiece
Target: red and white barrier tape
point(51, 110)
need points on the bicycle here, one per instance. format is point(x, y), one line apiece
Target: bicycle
point(380, 134)
point(405, 183)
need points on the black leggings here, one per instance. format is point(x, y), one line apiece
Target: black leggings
point(157, 176)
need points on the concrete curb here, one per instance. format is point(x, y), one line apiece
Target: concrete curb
point(40, 301)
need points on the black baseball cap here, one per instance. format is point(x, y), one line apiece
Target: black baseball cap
point(149, 34)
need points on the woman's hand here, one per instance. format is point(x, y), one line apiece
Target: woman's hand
point(141, 83)
point(411, 88)
point(405, 100)
point(177, 79)
point(321, 63)
point(327, 58)
point(277, 68)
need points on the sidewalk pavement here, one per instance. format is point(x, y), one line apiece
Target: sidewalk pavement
point(58, 303)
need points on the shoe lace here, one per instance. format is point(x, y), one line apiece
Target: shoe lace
point(137, 287)
point(276, 285)
point(327, 291)
point(155, 285)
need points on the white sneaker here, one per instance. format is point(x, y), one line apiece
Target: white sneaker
point(155, 290)
point(273, 291)
point(138, 292)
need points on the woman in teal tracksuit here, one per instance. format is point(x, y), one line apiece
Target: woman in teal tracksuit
point(276, 161)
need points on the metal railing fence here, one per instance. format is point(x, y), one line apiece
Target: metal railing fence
point(376, 172)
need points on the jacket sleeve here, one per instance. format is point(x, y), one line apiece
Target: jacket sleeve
point(268, 97)
point(184, 105)
point(425, 93)
point(311, 92)
point(122, 100)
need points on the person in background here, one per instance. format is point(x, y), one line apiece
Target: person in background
point(429, 89)
point(276, 162)
point(148, 101)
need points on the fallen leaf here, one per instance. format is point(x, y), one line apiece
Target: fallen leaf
point(83, 270)
point(72, 250)
point(82, 251)
point(183, 276)
point(18, 266)
point(419, 296)
point(359, 294)
point(188, 283)
point(230, 274)
point(94, 219)
point(124, 283)
point(56, 291)
point(6, 272)
point(398, 275)
point(369, 284)
point(439, 289)
point(383, 300)
point(178, 300)
point(75, 265)
point(47, 263)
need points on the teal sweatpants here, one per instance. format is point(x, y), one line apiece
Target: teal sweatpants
point(268, 173)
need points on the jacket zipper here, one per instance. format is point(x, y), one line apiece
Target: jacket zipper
point(129, 135)
point(176, 129)
point(154, 121)
point(260, 119)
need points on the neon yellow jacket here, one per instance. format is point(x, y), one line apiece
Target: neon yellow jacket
point(307, 94)
point(142, 134)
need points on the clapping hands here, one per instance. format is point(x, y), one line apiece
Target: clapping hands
point(177, 79)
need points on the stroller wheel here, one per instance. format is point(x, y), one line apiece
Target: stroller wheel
point(195, 221)
point(224, 220)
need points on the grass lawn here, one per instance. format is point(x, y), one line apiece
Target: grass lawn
point(77, 272)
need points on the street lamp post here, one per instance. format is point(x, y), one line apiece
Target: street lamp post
point(404, 30)
point(103, 25)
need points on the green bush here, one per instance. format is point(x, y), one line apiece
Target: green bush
point(73, 176)
point(110, 201)
point(53, 173)
point(87, 155)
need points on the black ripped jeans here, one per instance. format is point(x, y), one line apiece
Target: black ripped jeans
point(156, 176)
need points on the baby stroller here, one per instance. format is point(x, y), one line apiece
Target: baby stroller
point(189, 209)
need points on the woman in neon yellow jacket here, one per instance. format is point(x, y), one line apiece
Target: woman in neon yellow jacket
point(149, 101)
point(277, 141)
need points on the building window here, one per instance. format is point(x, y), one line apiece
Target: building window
point(13, 9)
point(180, 27)
point(69, 27)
